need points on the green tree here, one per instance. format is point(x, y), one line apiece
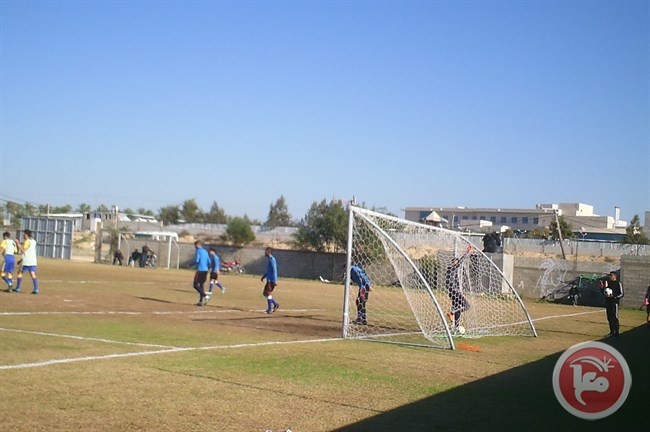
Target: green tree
point(324, 228)
point(84, 208)
point(279, 214)
point(538, 233)
point(169, 215)
point(191, 211)
point(61, 209)
point(30, 209)
point(565, 229)
point(103, 208)
point(16, 212)
point(216, 215)
point(239, 231)
point(634, 233)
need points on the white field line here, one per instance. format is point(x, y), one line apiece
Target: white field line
point(208, 311)
point(567, 315)
point(80, 359)
point(539, 319)
point(170, 350)
point(86, 338)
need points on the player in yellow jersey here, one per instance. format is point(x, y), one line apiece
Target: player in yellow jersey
point(28, 248)
point(9, 250)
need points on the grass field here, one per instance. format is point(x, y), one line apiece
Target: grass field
point(106, 348)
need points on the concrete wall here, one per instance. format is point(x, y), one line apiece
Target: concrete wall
point(536, 277)
point(291, 264)
point(572, 248)
point(635, 274)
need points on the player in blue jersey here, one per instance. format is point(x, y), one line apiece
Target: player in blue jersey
point(359, 277)
point(271, 276)
point(213, 268)
point(201, 262)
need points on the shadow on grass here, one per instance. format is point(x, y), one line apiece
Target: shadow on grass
point(520, 399)
point(155, 299)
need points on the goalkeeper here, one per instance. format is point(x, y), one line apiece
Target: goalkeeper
point(359, 277)
point(459, 303)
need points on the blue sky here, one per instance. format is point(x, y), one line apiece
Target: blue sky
point(401, 104)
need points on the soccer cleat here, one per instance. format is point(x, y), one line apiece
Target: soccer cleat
point(9, 290)
point(207, 299)
point(269, 312)
point(17, 290)
point(199, 304)
point(275, 307)
point(35, 292)
point(223, 290)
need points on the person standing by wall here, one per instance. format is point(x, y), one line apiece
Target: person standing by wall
point(118, 257)
point(612, 303)
point(144, 255)
point(271, 276)
point(134, 258)
point(28, 249)
point(646, 302)
point(9, 249)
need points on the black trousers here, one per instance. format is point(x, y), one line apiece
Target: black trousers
point(611, 307)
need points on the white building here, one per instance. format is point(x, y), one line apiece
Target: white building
point(580, 216)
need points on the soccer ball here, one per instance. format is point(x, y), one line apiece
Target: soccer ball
point(608, 292)
point(461, 330)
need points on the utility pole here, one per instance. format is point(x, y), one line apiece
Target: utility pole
point(559, 232)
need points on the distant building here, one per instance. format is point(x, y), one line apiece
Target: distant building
point(580, 216)
point(117, 220)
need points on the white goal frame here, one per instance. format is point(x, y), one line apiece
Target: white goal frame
point(410, 304)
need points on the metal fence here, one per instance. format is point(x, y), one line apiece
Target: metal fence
point(53, 236)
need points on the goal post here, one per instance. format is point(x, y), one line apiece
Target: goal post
point(416, 284)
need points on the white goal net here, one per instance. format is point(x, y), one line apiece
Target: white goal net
point(417, 284)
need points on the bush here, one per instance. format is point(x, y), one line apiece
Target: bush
point(239, 231)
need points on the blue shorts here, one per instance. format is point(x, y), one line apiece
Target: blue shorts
point(10, 264)
point(25, 269)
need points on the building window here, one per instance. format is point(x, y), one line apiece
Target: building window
point(465, 217)
point(535, 221)
point(504, 219)
point(482, 217)
point(513, 220)
point(473, 217)
point(524, 220)
point(493, 219)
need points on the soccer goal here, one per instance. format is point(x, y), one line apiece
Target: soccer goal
point(427, 285)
